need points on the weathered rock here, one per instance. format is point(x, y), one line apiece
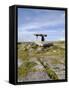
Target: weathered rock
point(39, 49)
point(29, 46)
point(35, 76)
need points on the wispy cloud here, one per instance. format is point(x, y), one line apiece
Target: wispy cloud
point(38, 21)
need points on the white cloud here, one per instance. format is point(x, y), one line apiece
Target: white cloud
point(38, 25)
point(26, 30)
point(62, 39)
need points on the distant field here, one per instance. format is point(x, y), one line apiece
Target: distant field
point(41, 63)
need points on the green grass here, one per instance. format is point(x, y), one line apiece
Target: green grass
point(24, 53)
point(56, 61)
point(49, 71)
point(25, 68)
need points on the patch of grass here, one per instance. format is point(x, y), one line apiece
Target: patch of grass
point(23, 55)
point(29, 64)
point(34, 46)
point(56, 61)
point(25, 68)
point(34, 70)
point(52, 74)
point(55, 50)
point(49, 71)
point(22, 72)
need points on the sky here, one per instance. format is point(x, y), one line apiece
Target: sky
point(33, 21)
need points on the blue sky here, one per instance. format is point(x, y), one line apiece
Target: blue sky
point(33, 21)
